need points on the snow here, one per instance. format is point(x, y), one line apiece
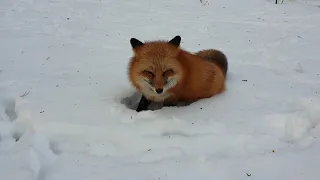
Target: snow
point(66, 106)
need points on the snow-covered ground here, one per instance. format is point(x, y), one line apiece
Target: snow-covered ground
point(65, 97)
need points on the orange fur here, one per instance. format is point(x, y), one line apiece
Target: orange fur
point(194, 76)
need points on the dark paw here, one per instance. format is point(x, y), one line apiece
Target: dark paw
point(143, 104)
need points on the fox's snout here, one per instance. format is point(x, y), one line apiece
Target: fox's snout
point(159, 85)
point(159, 91)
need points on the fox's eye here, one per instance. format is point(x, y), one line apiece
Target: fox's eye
point(168, 73)
point(148, 74)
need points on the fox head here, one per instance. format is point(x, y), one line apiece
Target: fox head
point(154, 68)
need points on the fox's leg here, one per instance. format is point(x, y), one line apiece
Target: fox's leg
point(143, 104)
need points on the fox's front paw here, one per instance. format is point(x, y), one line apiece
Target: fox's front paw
point(143, 104)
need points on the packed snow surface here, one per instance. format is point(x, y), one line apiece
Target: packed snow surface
point(67, 107)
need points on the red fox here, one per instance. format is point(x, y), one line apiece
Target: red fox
point(163, 72)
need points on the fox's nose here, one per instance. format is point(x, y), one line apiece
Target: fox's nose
point(159, 91)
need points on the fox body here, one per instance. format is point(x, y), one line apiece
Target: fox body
point(163, 72)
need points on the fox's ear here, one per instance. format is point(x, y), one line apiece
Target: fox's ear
point(135, 43)
point(175, 41)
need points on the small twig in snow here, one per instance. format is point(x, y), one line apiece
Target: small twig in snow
point(204, 2)
point(281, 1)
point(25, 94)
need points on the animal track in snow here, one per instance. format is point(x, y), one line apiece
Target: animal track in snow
point(42, 157)
point(16, 135)
point(42, 153)
point(54, 147)
point(10, 129)
point(8, 117)
point(10, 111)
point(295, 127)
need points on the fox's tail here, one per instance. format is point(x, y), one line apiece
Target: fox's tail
point(216, 57)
